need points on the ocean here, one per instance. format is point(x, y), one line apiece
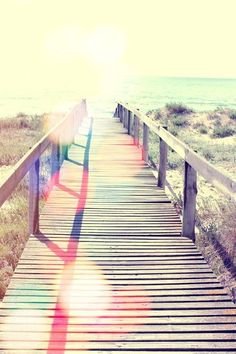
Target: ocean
point(145, 93)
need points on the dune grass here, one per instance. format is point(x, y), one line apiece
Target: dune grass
point(17, 135)
point(213, 136)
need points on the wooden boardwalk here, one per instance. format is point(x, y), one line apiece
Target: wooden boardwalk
point(109, 271)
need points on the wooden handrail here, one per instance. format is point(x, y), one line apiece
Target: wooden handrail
point(59, 137)
point(193, 163)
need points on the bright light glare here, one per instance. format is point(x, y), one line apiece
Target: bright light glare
point(86, 292)
point(64, 44)
point(105, 45)
point(92, 57)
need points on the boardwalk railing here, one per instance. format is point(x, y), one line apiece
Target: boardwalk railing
point(134, 120)
point(58, 138)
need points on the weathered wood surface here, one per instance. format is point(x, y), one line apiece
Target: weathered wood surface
point(109, 271)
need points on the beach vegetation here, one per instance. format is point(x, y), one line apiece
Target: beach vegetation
point(232, 114)
point(213, 136)
point(221, 131)
point(17, 135)
point(202, 129)
point(179, 121)
point(178, 108)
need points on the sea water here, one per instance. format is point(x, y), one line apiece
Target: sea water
point(145, 93)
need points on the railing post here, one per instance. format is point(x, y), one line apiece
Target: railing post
point(161, 181)
point(55, 162)
point(121, 112)
point(116, 111)
point(129, 122)
point(65, 152)
point(124, 117)
point(189, 207)
point(136, 130)
point(145, 142)
point(34, 198)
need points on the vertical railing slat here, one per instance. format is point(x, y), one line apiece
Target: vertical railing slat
point(136, 130)
point(34, 198)
point(145, 142)
point(121, 113)
point(161, 180)
point(55, 161)
point(126, 118)
point(189, 199)
point(129, 121)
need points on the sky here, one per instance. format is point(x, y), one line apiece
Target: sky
point(89, 42)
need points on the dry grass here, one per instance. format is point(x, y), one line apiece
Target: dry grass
point(216, 215)
point(217, 239)
point(17, 135)
point(13, 233)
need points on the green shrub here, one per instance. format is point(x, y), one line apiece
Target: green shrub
point(208, 153)
point(223, 131)
point(21, 114)
point(202, 129)
point(174, 161)
point(174, 131)
point(155, 113)
point(214, 115)
point(232, 114)
point(178, 108)
point(179, 121)
point(21, 122)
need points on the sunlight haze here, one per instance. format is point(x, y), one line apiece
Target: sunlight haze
point(46, 43)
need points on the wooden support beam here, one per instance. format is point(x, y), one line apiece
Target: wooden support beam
point(145, 142)
point(136, 130)
point(129, 117)
point(55, 162)
point(189, 208)
point(121, 113)
point(34, 198)
point(118, 111)
point(125, 118)
point(66, 151)
point(161, 181)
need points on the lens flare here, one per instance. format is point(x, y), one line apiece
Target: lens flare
point(86, 292)
point(105, 45)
